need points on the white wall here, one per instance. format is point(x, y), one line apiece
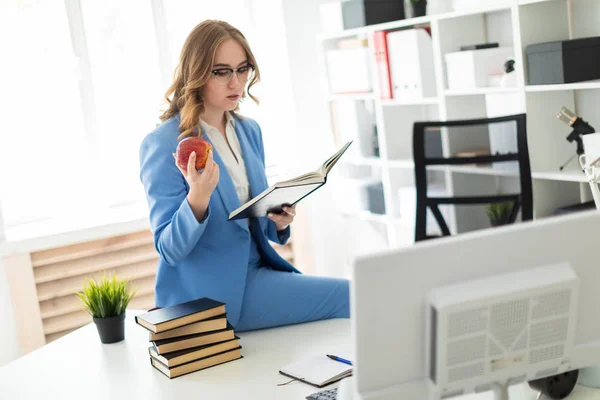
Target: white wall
point(314, 139)
point(8, 332)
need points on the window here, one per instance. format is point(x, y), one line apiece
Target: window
point(85, 82)
point(42, 145)
point(126, 85)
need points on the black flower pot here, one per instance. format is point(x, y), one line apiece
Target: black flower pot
point(498, 223)
point(419, 8)
point(112, 329)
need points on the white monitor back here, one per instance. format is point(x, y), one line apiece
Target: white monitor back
point(513, 327)
point(389, 294)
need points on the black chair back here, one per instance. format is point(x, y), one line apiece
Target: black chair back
point(522, 201)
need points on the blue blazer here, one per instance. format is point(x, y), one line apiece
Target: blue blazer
point(208, 259)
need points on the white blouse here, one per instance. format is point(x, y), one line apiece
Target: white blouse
point(232, 157)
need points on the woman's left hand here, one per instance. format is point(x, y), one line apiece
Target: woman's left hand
point(284, 219)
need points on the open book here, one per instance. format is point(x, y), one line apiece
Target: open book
point(287, 193)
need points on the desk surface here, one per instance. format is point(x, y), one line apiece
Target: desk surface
point(78, 366)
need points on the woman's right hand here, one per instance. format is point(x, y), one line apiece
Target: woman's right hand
point(202, 184)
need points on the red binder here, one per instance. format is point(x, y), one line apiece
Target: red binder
point(383, 66)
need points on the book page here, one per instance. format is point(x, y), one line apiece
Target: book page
point(327, 165)
point(315, 176)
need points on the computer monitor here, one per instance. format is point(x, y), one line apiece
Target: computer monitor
point(392, 292)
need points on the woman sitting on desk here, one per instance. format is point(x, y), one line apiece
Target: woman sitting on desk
point(202, 254)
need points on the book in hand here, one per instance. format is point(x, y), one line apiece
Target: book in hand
point(163, 319)
point(287, 193)
point(196, 365)
point(212, 324)
point(186, 342)
point(176, 358)
point(319, 370)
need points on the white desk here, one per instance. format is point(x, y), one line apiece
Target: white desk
point(78, 366)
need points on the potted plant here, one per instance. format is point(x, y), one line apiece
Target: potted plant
point(499, 213)
point(419, 7)
point(107, 301)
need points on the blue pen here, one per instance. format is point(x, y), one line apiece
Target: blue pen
point(340, 359)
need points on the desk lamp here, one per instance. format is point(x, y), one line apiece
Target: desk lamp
point(580, 128)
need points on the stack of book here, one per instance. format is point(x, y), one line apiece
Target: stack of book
point(190, 336)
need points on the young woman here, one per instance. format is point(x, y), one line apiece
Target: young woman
point(202, 254)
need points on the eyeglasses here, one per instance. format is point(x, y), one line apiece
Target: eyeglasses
point(224, 75)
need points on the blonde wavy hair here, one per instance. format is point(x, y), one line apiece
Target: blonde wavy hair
point(194, 69)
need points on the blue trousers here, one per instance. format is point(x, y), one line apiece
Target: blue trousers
point(275, 298)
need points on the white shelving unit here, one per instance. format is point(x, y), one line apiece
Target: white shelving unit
point(516, 24)
point(568, 86)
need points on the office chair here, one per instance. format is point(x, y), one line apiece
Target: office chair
point(522, 200)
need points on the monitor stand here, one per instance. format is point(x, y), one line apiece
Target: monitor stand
point(345, 389)
point(500, 390)
point(554, 387)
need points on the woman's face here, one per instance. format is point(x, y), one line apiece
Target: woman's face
point(224, 89)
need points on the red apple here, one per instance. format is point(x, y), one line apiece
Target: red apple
point(187, 146)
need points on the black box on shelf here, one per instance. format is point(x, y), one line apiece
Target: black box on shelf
point(375, 200)
point(357, 13)
point(563, 61)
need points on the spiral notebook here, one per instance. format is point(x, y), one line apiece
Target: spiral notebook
point(319, 370)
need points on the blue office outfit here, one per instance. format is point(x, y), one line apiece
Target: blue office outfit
point(229, 261)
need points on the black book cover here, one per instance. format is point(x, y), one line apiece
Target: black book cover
point(161, 315)
point(179, 339)
point(203, 358)
point(217, 317)
point(214, 355)
point(178, 353)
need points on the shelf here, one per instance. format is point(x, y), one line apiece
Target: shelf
point(479, 91)
point(365, 215)
point(526, 2)
point(473, 170)
point(364, 30)
point(360, 31)
point(352, 96)
point(369, 161)
point(413, 102)
point(568, 176)
point(473, 11)
point(405, 23)
point(410, 164)
point(566, 86)
point(394, 118)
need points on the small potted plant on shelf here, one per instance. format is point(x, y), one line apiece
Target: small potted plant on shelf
point(419, 7)
point(107, 301)
point(499, 213)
